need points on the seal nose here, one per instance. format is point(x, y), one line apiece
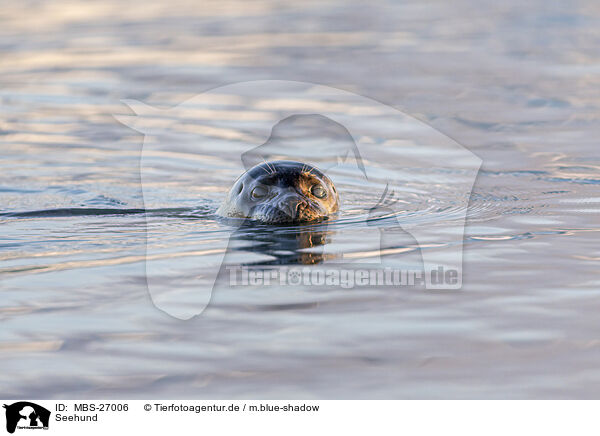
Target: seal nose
point(291, 206)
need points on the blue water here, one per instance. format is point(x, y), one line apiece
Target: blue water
point(514, 83)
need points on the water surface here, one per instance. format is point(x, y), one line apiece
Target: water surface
point(516, 84)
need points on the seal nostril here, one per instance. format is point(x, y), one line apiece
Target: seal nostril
point(295, 210)
point(292, 207)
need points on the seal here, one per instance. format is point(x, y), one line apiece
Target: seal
point(281, 192)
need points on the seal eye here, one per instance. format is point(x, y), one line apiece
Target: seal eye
point(318, 191)
point(259, 192)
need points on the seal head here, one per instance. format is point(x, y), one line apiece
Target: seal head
point(281, 192)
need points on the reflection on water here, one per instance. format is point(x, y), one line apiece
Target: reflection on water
point(516, 84)
point(295, 245)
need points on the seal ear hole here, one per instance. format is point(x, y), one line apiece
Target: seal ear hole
point(333, 187)
point(241, 188)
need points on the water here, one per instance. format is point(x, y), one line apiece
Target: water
point(516, 84)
